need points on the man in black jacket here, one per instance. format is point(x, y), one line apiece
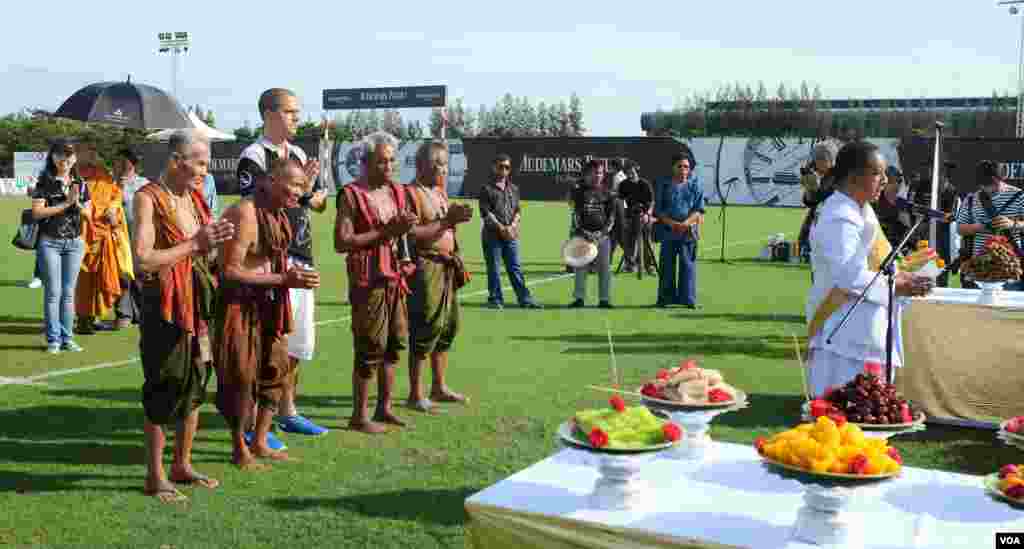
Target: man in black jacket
point(499, 235)
point(593, 218)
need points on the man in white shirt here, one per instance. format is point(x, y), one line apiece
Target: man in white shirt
point(280, 111)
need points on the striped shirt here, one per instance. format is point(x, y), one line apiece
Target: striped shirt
point(977, 214)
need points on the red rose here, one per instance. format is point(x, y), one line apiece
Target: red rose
point(718, 395)
point(874, 368)
point(858, 465)
point(839, 419)
point(819, 408)
point(895, 455)
point(687, 364)
point(617, 403)
point(663, 374)
point(672, 432)
point(649, 390)
point(598, 438)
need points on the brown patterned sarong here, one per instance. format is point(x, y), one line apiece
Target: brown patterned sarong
point(253, 365)
point(434, 314)
point(379, 325)
point(175, 375)
point(251, 330)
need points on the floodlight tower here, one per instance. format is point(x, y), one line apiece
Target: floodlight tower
point(175, 43)
point(1014, 10)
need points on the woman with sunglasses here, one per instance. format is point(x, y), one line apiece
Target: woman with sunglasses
point(58, 203)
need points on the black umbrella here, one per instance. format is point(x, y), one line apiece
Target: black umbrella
point(125, 104)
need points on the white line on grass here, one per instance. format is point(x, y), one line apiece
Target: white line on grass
point(34, 380)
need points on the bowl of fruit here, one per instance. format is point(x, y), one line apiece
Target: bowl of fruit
point(688, 387)
point(620, 429)
point(1007, 484)
point(869, 403)
point(831, 449)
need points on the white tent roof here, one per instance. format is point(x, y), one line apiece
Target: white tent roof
point(212, 134)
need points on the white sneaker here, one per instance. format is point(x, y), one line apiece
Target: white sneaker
point(35, 284)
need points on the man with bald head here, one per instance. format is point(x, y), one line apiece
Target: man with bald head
point(174, 239)
point(254, 317)
point(280, 111)
point(371, 228)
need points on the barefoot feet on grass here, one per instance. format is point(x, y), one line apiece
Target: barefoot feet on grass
point(273, 455)
point(367, 427)
point(385, 416)
point(188, 475)
point(447, 395)
point(248, 463)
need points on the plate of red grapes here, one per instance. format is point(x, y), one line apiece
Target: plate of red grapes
point(869, 403)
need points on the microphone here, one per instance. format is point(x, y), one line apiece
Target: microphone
point(907, 206)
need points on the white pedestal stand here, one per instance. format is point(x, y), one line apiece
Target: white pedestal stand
point(618, 486)
point(826, 518)
point(696, 447)
point(991, 293)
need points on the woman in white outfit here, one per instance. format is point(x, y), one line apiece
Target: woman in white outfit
point(847, 248)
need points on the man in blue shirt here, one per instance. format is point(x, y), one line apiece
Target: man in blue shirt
point(679, 209)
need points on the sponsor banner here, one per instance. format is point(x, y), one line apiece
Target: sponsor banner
point(544, 168)
point(27, 167)
point(223, 160)
point(963, 155)
point(762, 171)
point(342, 162)
point(385, 98)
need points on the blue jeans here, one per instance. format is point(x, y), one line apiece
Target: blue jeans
point(681, 288)
point(60, 260)
point(496, 250)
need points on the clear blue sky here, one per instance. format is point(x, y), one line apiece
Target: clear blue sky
point(622, 58)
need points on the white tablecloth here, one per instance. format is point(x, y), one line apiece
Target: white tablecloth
point(1010, 300)
point(735, 500)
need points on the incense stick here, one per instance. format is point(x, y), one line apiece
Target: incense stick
point(616, 380)
point(803, 368)
point(616, 391)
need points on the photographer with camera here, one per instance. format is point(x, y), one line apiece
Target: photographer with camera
point(638, 196)
point(817, 186)
point(996, 209)
point(890, 217)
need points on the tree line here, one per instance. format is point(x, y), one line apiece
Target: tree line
point(510, 116)
point(745, 110)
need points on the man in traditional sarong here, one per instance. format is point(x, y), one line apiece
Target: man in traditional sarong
point(173, 238)
point(254, 311)
point(371, 225)
point(847, 249)
point(105, 233)
point(440, 272)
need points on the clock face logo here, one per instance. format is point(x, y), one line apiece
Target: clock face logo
point(772, 169)
point(772, 165)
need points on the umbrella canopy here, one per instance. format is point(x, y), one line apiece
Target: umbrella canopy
point(212, 134)
point(125, 104)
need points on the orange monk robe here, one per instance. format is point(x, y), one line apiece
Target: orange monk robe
point(107, 247)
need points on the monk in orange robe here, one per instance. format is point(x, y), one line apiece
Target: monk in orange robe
point(105, 233)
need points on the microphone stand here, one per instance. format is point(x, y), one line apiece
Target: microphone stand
point(887, 268)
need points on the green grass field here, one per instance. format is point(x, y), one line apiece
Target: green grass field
point(71, 449)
